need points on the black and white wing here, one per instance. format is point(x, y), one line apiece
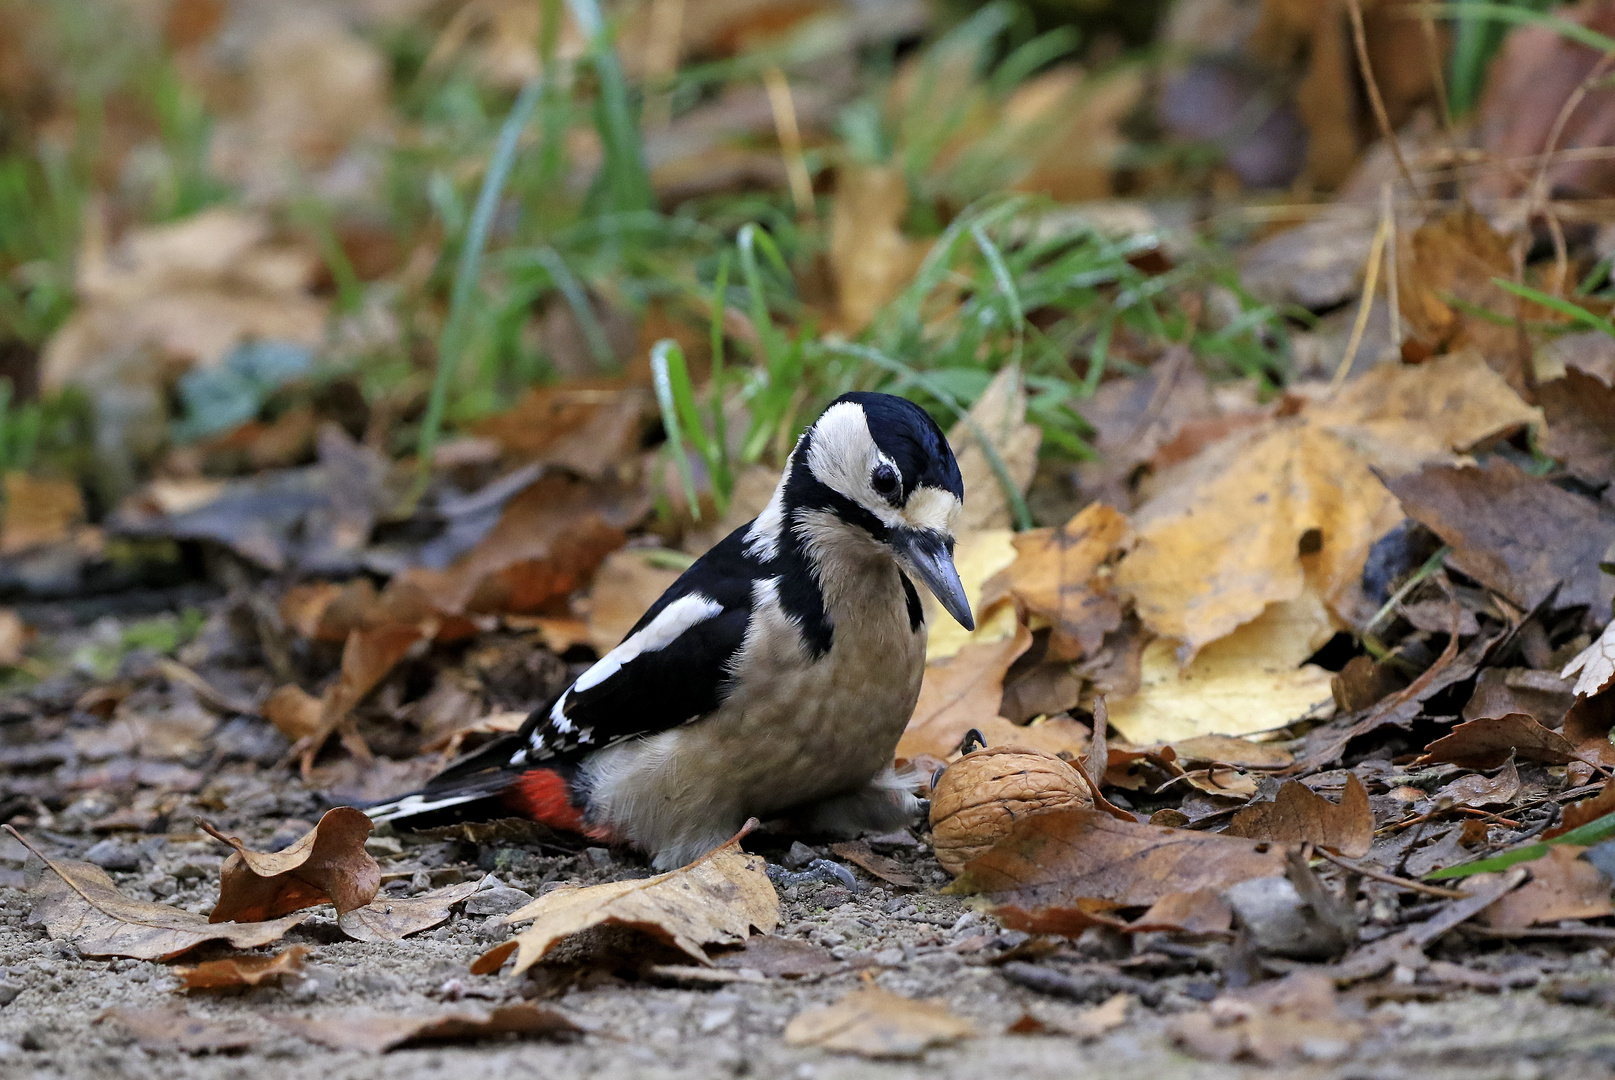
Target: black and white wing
point(673, 667)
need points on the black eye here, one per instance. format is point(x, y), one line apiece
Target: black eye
point(884, 480)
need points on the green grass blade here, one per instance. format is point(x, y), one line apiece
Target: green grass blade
point(469, 273)
point(594, 335)
point(623, 169)
point(723, 476)
point(1554, 303)
point(662, 357)
point(1520, 15)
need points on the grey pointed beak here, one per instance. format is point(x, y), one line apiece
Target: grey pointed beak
point(928, 554)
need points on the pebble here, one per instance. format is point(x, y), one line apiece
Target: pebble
point(8, 993)
point(597, 857)
point(497, 901)
point(112, 854)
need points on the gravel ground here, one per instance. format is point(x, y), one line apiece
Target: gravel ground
point(913, 942)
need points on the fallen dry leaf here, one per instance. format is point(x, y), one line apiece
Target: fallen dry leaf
point(393, 919)
point(889, 870)
point(1200, 912)
point(38, 512)
point(1039, 875)
point(13, 636)
point(716, 900)
point(961, 692)
point(376, 1033)
point(1515, 533)
point(1563, 886)
point(79, 903)
point(294, 711)
point(979, 556)
point(778, 957)
point(1055, 578)
point(1299, 815)
point(1134, 418)
point(876, 1023)
point(1227, 750)
point(589, 426)
point(1580, 813)
point(625, 587)
point(1476, 790)
point(1087, 1024)
point(1490, 741)
point(1297, 1019)
point(999, 416)
point(328, 864)
point(870, 258)
point(1449, 263)
point(1594, 666)
point(170, 1029)
point(233, 971)
point(1580, 410)
point(1222, 536)
point(1542, 695)
point(1248, 681)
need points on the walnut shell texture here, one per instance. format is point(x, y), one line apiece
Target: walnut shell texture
point(980, 797)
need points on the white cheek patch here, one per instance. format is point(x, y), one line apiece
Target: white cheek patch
point(932, 508)
point(663, 630)
point(842, 454)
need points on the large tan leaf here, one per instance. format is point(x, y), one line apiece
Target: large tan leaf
point(327, 864)
point(374, 1032)
point(1223, 535)
point(877, 1023)
point(393, 919)
point(1251, 680)
point(79, 903)
point(979, 556)
point(718, 899)
point(1299, 815)
point(1053, 863)
point(1055, 577)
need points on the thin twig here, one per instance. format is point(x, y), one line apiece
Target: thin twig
point(1392, 293)
point(1539, 184)
point(1376, 252)
point(1391, 879)
point(1438, 79)
point(1360, 39)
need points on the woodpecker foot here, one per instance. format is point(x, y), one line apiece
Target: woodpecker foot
point(819, 870)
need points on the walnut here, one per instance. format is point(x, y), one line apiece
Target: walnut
point(980, 796)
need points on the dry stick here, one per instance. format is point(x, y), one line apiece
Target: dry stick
point(1376, 252)
point(790, 141)
point(1539, 184)
point(1392, 294)
point(1360, 38)
point(1391, 879)
point(1438, 79)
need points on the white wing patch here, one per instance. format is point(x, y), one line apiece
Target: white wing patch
point(662, 631)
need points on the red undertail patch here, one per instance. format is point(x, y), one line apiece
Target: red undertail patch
point(545, 796)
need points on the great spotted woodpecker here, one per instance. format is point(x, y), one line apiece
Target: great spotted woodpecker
point(773, 678)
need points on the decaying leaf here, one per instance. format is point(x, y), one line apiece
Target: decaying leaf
point(1050, 864)
point(716, 900)
point(1563, 885)
point(1515, 533)
point(625, 587)
point(1226, 750)
point(961, 692)
point(1087, 1024)
point(328, 864)
point(170, 1029)
point(999, 416)
point(588, 425)
point(1594, 666)
point(1299, 815)
point(1296, 1019)
point(869, 255)
point(1580, 410)
point(393, 919)
point(888, 870)
point(376, 1033)
point(980, 556)
point(1580, 813)
point(1054, 576)
point(1248, 681)
point(1488, 742)
point(876, 1023)
point(1476, 790)
point(778, 957)
point(233, 971)
point(1222, 536)
point(294, 711)
point(38, 512)
point(79, 903)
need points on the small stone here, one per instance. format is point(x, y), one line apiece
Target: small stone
point(163, 888)
point(799, 855)
point(714, 1019)
point(420, 881)
point(36, 1038)
point(112, 854)
point(500, 901)
point(383, 845)
point(8, 993)
point(597, 857)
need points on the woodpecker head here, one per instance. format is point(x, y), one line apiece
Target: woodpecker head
point(877, 472)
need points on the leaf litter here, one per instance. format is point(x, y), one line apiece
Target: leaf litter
point(1330, 618)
